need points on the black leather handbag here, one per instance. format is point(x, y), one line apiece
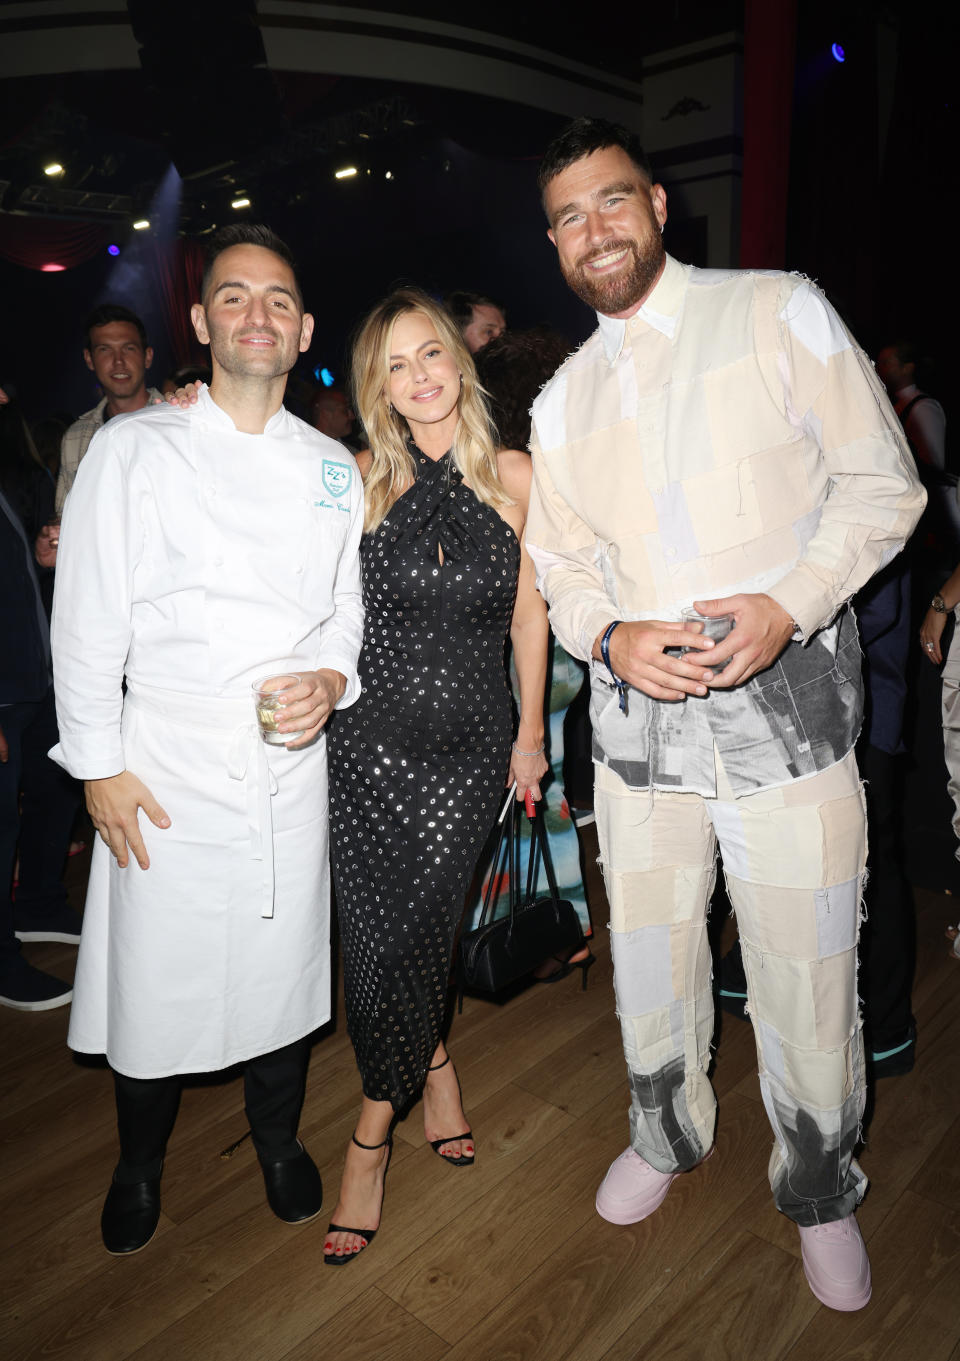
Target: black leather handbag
point(500, 950)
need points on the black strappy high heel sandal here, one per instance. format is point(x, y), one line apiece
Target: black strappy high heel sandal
point(331, 1258)
point(565, 967)
point(465, 1160)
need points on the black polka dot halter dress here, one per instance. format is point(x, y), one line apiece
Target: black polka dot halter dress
point(417, 765)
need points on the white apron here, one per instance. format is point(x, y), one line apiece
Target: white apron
point(220, 951)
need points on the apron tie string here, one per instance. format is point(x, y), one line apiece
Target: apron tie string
point(259, 791)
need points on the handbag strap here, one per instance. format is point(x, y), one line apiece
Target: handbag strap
point(533, 861)
point(538, 835)
point(503, 861)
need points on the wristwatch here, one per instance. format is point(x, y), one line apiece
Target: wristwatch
point(937, 603)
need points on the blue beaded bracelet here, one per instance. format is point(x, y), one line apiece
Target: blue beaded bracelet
point(605, 654)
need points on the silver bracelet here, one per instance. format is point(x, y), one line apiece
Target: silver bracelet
point(542, 747)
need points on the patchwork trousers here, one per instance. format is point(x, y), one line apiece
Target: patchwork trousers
point(794, 860)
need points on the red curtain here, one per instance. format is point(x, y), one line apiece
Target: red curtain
point(770, 32)
point(33, 242)
point(176, 267)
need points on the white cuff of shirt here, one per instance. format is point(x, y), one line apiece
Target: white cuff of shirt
point(346, 667)
point(92, 755)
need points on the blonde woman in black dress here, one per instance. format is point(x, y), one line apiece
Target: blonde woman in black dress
point(418, 766)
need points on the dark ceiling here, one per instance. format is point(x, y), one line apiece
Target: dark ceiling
point(459, 208)
point(445, 195)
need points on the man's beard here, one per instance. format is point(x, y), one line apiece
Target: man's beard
point(628, 286)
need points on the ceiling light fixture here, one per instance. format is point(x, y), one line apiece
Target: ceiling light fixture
point(54, 168)
point(141, 224)
point(240, 203)
point(346, 173)
point(52, 268)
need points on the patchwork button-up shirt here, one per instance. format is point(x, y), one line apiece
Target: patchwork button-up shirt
point(729, 437)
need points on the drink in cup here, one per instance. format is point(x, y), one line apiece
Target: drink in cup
point(268, 700)
point(716, 627)
point(45, 547)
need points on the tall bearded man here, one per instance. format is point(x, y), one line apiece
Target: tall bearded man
point(720, 442)
point(202, 550)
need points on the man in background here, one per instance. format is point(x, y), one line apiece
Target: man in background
point(332, 414)
point(116, 351)
point(480, 319)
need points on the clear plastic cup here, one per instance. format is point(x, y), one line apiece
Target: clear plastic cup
point(268, 701)
point(716, 627)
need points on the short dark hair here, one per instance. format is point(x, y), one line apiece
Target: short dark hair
point(246, 234)
point(190, 373)
point(112, 311)
point(581, 138)
point(460, 304)
point(513, 368)
point(907, 351)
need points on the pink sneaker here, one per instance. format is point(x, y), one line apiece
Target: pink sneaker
point(836, 1264)
point(632, 1189)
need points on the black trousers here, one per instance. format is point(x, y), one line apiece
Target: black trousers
point(273, 1088)
point(38, 801)
point(888, 936)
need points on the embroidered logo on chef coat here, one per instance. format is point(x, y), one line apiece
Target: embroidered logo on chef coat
point(336, 477)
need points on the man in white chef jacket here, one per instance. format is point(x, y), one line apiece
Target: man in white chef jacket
point(205, 548)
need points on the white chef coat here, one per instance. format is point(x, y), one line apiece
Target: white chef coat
point(194, 560)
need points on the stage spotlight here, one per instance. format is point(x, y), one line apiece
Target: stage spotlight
point(54, 168)
point(113, 250)
point(141, 224)
point(52, 268)
point(388, 175)
point(324, 376)
point(240, 203)
point(346, 173)
point(838, 52)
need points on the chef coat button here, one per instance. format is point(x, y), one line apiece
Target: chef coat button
point(218, 562)
point(299, 570)
point(670, 552)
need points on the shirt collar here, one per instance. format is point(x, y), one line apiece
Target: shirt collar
point(660, 311)
point(215, 415)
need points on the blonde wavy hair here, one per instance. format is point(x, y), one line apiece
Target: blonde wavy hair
point(474, 448)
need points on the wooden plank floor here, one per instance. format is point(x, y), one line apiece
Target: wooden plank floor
point(507, 1261)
